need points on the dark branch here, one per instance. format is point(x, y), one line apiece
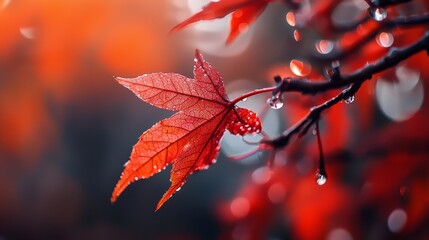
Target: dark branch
point(385, 3)
point(385, 25)
point(354, 79)
point(393, 57)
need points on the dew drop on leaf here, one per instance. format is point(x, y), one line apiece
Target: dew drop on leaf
point(378, 14)
point(350, 100)
point(321, 179)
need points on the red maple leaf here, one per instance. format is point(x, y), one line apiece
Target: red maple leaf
point(190, 138)
point(244, 13)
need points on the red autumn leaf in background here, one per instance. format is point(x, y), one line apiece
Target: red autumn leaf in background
point(190, 138)
point(244, 13)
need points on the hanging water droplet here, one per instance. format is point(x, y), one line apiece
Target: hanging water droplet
point(350, 99)
point(275, 102)
point(321, 179)
point(314, 132)
point(155, 166)
point(178, 189)
point(378, 14)
point(244, 99)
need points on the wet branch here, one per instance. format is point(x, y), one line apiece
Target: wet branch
point(385, 3)
point(384, 25)
point(353, 81)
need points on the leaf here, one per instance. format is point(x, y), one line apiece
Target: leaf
point(190, 138)
point(244, 13)
point(242, 18)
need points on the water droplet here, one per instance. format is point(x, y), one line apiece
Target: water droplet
point(314, 132)
point(155, 167)
point(321, 179)
point(300, 67)
point(244, 99)
point(290, 19)
point(275, 102)
point(195, 60)
point(378, 14)
point(178, 189)
point(126, 163)
point(350, 99)
point(324, 46)
point(136, 178)
point(296, 35)
point(385, 39)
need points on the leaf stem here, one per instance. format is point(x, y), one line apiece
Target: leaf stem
point(252, 93)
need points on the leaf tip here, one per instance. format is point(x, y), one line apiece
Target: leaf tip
point(113, 198)
point(197, 53)
point(198, 56)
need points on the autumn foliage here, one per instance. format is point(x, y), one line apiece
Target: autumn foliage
point(279, 185)
point(190, 139)
point(316, 115)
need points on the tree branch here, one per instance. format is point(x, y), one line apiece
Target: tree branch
point(354, 79)
point(385, 25)
point(385, 3)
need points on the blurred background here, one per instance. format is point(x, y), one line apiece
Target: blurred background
point(67, 128)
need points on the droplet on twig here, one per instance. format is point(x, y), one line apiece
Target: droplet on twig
point(378, 14)
point(275, 102)
point(321, 179)
point(350, 99)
